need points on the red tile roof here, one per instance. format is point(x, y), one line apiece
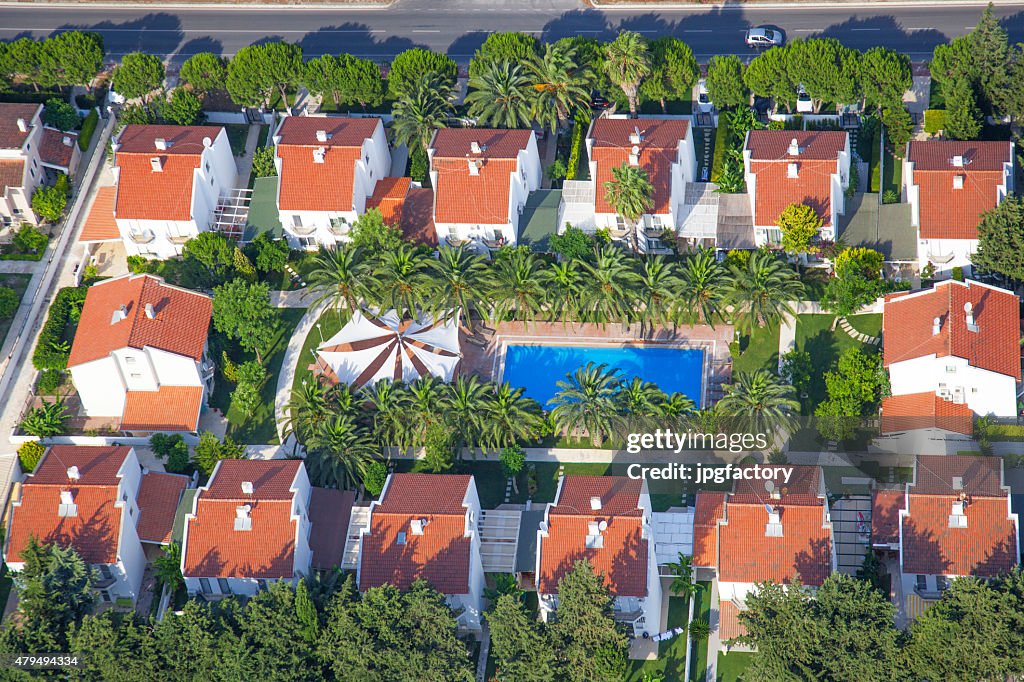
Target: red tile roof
point(441, 555)
point(53, 150)
point(95, 530)
point(804, 487)
point(329, 514)
point(709, 509)
point(475, 199)
point(329, 186)
point(146, 194)
point(623, 557)
point(774, 190)
point(159, 495)
point(981, 476)
point(180, 325)
point(389, 196)
point(100, 225)
point(885, 516)
point(12, 174)
point(418, 217)
point(658, 151)
point(214, 549)
point(925, 411)
point(948, 213)
point(908, 319)
point(729, 625)
point(10, 136)
point(169, 408)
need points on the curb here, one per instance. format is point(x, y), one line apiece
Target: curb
point(276, 6)
point(745, 5)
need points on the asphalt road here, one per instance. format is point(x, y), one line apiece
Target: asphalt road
point(458, 27)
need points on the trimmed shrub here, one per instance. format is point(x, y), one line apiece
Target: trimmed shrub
point(29, 454)
point(88, 128)
point(958, 273)
point(8, 303)
point(934, 121)
point(49, 381)
point(582, 122)
point(52, 350)
point(137, 264)
point(723, 137)
point(375, 478)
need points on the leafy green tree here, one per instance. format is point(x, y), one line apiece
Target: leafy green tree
point(885, 75)
point(71, 58)
point(828, 71)
point(263, 163)
point(899, 128)
point(54, 593)
point(271, 254)
point(798, 369)
point(273, 635)
point(167, 568)
point(23, 59)
point(322, 75)
point(204, 71)
point(242, 311)
point(963, 117)
point(513, 459)
point(212, 250)
point(628, 63)
point(854, 391)
point(113, 648)
point(29, 454)
point(763, 291)
point(521, 646)
point(361, 82)
point(586, 402)
point(210, 450)
point(658, 289)
point(800, 225)
point(60, 115)
point(422, 108)
point(49, 202)
point(187, 644)
point(246, 397)
point(560, 83)
point(562, 283)
point(257, 70)
point(499, 95)
point(135, 114)
point(171, 448)
point(768, 75)
point(309, 406)
point(725, 83)
point(375, 478)
point(1001, 239)
point(510, 417)
point(682, 581)
point(591, 647)
point(183, 107)
point(702, 282)
point(49, 419)
point(138, 74)
point(673, 71)
point(631, 194)
point(990, 61)
point(415, 66)
point(508, 48)
point(339, 453)
point(572, 244)
point(306, 612)
point(758, 402)
point(857, 282)
point(610, 293)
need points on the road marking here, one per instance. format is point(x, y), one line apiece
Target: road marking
point(223, 30)
point(921, 28)
point(697, 30)
point(426, 30)
point(808, 30)
point(865, 29)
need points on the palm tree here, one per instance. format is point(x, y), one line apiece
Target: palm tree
point(759, 402)
point(659, 286)
point(422, 109)
point(560, 84)
point(511, 417)
point(677, 405)
point(167, 568)
point(586, 402)
point(500, 96)
point(403, 282)
point(563, 283)
point(640, 401)
point(703, 285)
point(390, 423)
point(609, 294)
point(424, 406)
point(306, 409)
point(458, 284)
point(682, 582)
point(516, 284)
point(339, 276)
point(339, 453)
point(631, 194)
point(628, 61)
point(464, 406)
point(762, 292)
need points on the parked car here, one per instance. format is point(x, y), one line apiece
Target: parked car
point(803, 101)
point(599, 103)
point(704, 104)
point(763, 36)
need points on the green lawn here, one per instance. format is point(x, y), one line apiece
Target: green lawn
point(237, 132)
point(671, 661)
point(870, 324)
point(329, 323)
point(814, 335)
point(732, 665)
point(893, 174)
point(699, 651)
point(759, 350)
point(259, 427)
point(815, 280)
point(19, 283)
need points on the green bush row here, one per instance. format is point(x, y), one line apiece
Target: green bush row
point(723, 133)
point(52, 351)
point(88, 128)
point(578, 130)
point(934, 120)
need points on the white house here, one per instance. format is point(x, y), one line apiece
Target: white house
point(760, 533)
point(952, 520)
point(328, 167)
point(98, 501)
point(29, 152)
point(783, 167)
point(605, 520)
point(949, 185)
point(924, 423)
point(481, 179)
point(169, 182)
point(139, 357)
point(960, 341)
point(424, 527)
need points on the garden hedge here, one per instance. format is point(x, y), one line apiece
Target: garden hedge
point(50, 353)
point(88, 128)
point(934, 121)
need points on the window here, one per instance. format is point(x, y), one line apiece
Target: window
point(262, 585)
point(207, 167)
point(922, 582)
point(32, 172)
point(620, 223)
point(950, 369)
point(129, 359)
point(942, 582)
point(223, 585)
point(104, 572)
point(296, 221)
point(204, 586)
point(105, 596)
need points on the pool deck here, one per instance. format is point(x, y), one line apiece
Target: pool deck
point(483, 353)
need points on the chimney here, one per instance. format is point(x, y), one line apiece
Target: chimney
point(22, 125)
point(957, 519)
point(595, 503)
point(66, 141)
point(972, 326)
point(958, 182)
point(73, 473)
point(957, 161)
point(474, 147)
point(119, 314)
point(417, 526)
point(161, 144)
point(792, 170)
point(157, 164)
point(322, 136)
point(634, 156)
point(67, 507)
point(474, 166)
point(958, 483)
point(936, 326)
point(247, 487)
point(150, 311)
point(773, 529)
point(242, 519)
point(595, 539)
point(318, 155)
point(635, 137)
point(794, 147)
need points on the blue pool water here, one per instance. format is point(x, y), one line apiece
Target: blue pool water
point(538, 368)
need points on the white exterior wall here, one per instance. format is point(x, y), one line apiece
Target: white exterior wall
point(100, 385)
point(651, 604)
point(984, 392)
point(16, 202)
point(238, 586)
point(474, 600)
point(301, 492)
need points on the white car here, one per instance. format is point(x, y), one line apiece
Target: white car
point(762, 36)
point(704, 104)
point(804, 105)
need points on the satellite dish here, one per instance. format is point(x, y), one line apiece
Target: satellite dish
point(769, 486)
point(770, 509)
point(602, 526)
point(635, 150)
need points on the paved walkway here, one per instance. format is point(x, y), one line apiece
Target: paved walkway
point(291, 361)
point(21, 267)
point(844, 324)
point(244, 162)
point(294, 298)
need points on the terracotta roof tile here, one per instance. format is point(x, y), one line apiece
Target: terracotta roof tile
point(907, 326)
point(937, 155)
point(271, 479)
point(181, 140)
point(100, 225)
point(709, 509)
point(658, 151)
point(12, 174)
point(804, 487)
point(729, 625)
point(169, 408)
point(425, 493)
point(483, 198)
point(885, 516)
point(981, 476)
point(159, 495)
point(10, 112)
point(389, 196)
point(987, 547)
point(180, 326)
point(329, 186)
point(329, 514)
point(97, 464)
point(622, 558)
point(925, 411)
point(440, 556)
point(418, 217)
point(773, 145)
point(52, 149)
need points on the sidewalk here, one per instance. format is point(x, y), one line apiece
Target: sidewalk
point(20, 267)
point(291, 361)
point(293, 298)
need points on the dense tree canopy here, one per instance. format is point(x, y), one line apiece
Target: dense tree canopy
point(726, 87)
point(415, 65)
point(1001, 240)
point(204, 71)
point(256, 71)
point(511, 47)
point(138, 74)
point(673, 71)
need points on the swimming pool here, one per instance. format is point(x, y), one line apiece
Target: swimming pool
point(538, 368)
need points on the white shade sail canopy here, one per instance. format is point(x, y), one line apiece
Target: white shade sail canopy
point(369, 349)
